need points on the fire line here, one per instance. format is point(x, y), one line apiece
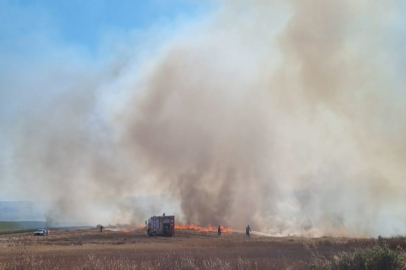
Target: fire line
point(208, 228)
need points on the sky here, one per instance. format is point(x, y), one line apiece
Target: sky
point(36, 36)
point(283, 115)
point(84, 24)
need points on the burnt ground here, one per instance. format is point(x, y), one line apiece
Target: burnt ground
point(69, 249)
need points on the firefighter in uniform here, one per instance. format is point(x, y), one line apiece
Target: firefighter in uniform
point(247, 230)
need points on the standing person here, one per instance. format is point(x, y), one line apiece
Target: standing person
point(101, 228)
point(219, 230)
point(247, 230)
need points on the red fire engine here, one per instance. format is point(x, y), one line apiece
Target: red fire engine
point(161, 225)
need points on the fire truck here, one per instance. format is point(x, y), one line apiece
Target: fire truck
point(161, 225)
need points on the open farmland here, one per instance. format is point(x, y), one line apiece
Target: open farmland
point(90, 249)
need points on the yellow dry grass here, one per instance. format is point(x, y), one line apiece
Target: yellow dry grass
point(90, 249)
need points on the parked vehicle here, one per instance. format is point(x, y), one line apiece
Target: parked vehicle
point(161, 225)
point(41, 232)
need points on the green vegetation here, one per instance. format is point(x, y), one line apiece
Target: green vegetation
point(8, 227)
point(379, 257)
point(20, 225)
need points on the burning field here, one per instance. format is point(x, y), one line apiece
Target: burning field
point(285, 115)
point(192, 248)
point(185, 226)
point(208, 228)
point(264, 120)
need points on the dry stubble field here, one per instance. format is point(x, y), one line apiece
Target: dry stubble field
point(90, 249)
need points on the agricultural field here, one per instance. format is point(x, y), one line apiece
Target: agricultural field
point(10, 226)
point(187, 249)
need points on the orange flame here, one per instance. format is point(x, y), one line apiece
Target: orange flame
point(128, 229)
point(343, 232)
point(132, 228)
point(208, 228)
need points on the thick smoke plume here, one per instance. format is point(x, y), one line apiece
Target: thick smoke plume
point(288, 116)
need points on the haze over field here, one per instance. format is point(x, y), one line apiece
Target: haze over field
point(289, 116)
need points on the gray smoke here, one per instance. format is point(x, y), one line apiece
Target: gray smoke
point(288, 116)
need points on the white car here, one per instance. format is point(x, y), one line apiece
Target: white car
point(41, 232)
